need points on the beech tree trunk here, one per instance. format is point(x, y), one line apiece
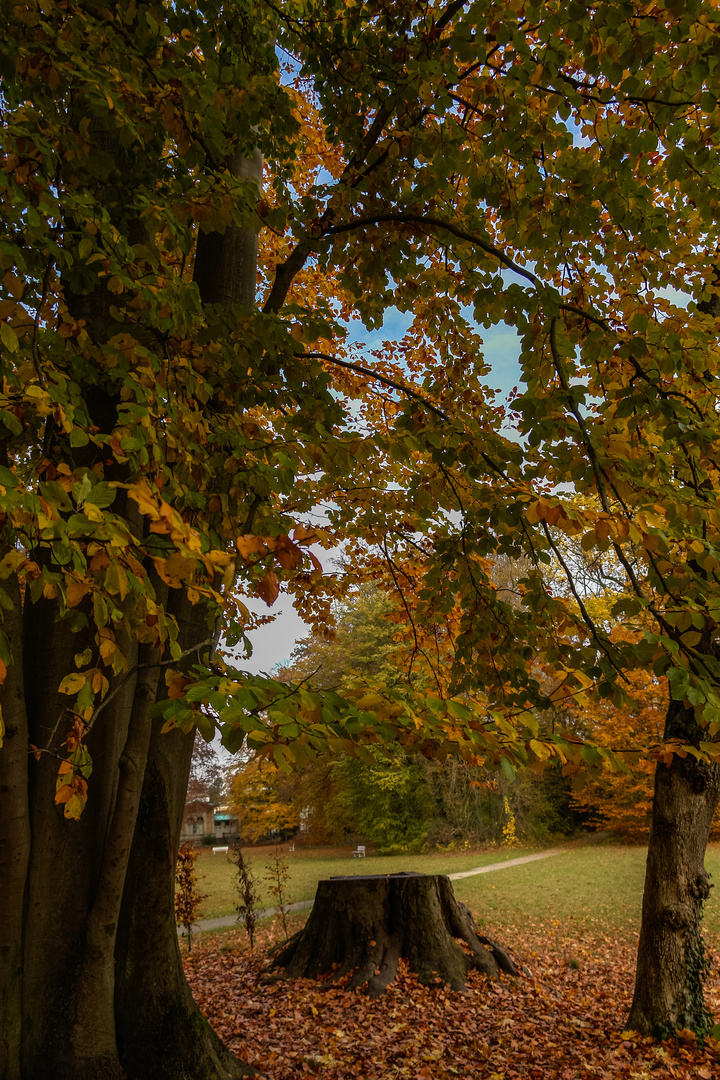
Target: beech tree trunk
point(367, 924)
point(671, 964)
point(91, 980)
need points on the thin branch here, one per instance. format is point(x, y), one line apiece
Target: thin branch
point(602, 643)
point(471, 238)
point(360, 370)
point(144, 667)
point(417, 649)
point(436, 223)
point(595, 464)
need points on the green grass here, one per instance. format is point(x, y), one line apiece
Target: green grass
point(588, 889)
point(592, 889)
point(216, 874)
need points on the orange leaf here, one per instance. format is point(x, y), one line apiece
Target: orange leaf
point(64, 793)
point(303, 535)
point(269, 588)
point(288, 554)
point(76, 590)
point(249, 545)
point(176, 683)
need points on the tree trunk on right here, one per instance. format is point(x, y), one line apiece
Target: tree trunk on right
point(671, 960)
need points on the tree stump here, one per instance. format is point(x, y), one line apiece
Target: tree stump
point(367, 923)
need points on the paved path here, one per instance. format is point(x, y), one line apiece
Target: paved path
point(230, 920)
point(508, 862)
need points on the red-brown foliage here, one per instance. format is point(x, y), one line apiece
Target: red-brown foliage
point(562, 1020)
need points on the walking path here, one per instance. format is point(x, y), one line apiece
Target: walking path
point(230, 920)
point(508, 862)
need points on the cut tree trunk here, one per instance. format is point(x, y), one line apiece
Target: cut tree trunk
point(366, 924)
point(671, 965)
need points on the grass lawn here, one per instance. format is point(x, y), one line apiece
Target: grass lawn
point(306, 867)
point(594, 889)
point(587, 889)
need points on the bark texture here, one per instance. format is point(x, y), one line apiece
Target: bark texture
point(670, 966)
point(14, 842)
point(367, 924)
point(162, 1035)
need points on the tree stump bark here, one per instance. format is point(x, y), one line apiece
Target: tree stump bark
point(368, 923)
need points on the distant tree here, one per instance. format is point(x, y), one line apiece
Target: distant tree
point(364, 642)
point(206, 773)
point(262, 798)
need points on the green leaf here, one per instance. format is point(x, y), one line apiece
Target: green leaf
point(508, 768)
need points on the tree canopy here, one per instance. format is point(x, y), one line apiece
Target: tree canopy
point(482, 169)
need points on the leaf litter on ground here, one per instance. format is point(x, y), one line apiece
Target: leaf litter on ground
point(562, 1019)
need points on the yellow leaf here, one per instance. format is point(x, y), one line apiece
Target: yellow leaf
point(144, 496)
point(107, 650)
point(174, 569)
point(92, 512)
point(539, 750)
point(74, 807)
point(11, 563)
point(71, 684)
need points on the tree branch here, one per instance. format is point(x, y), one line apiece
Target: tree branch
point(360, 370)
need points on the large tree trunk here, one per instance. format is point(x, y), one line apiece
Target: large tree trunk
point(91, 980)
point(161, 1033)
point(670, 967)
point(14, 843)
point(367, 924)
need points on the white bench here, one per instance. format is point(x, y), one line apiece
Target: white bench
point(359, 852)
point(216, 849)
